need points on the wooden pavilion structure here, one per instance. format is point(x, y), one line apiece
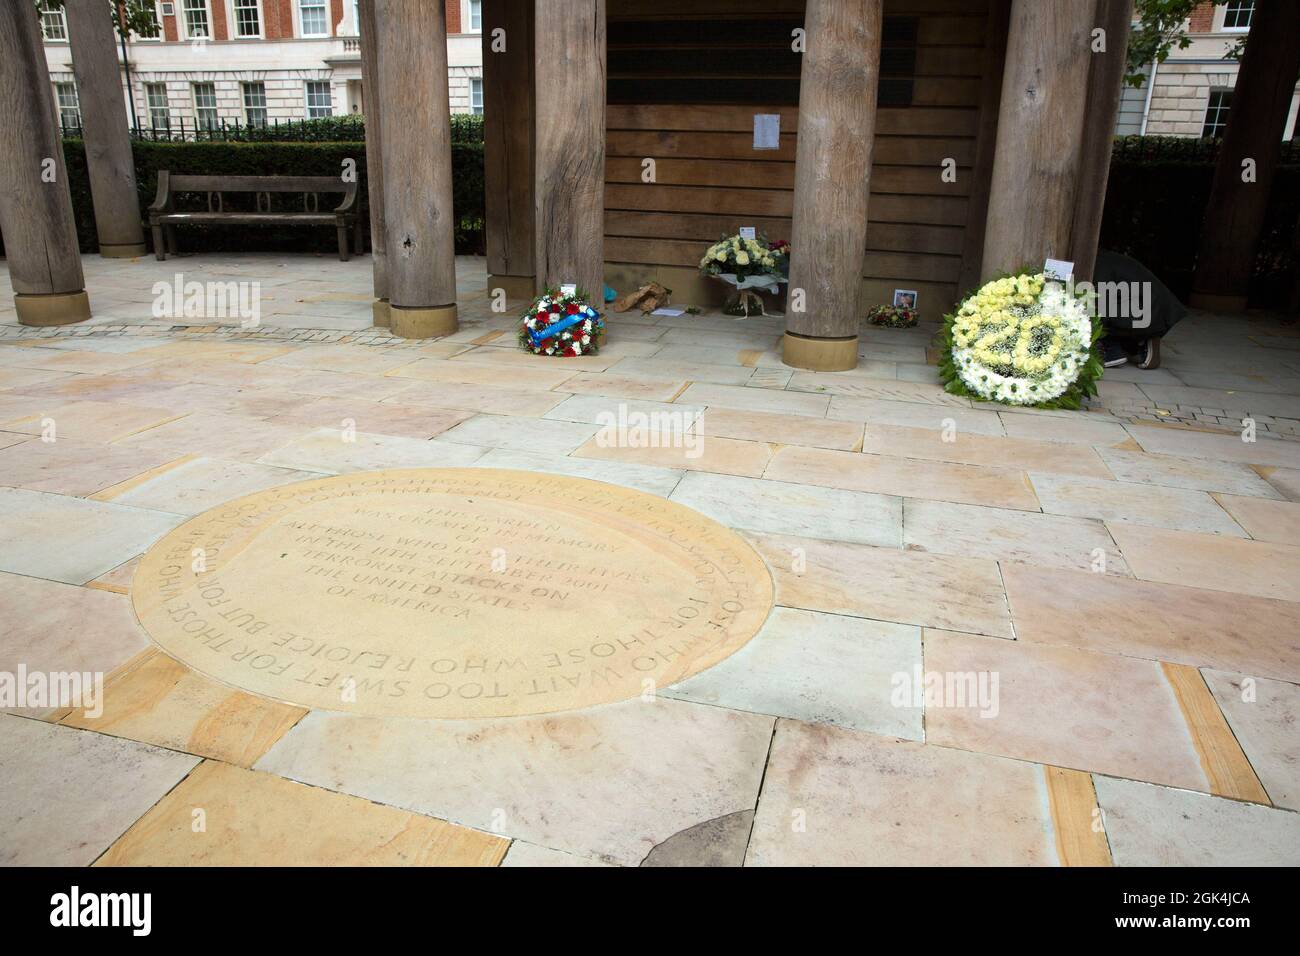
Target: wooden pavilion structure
point(923, 144)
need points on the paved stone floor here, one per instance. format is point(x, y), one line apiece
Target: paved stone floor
point(1001, 636)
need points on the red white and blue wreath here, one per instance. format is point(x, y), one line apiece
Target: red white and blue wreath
point(561, 323)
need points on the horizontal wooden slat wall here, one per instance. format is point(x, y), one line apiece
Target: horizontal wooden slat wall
point(709, 180)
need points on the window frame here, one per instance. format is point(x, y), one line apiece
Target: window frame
point(246, 107)
point(1229, 8)
point(325, 18)
point(194, 100)
point(59, 87)
point(150, 108)
point(306, 99)
point(256, 7)
point(46, 11)
point(183, 21)
point(1220, 110)
point(467, 15)
point(476, 109)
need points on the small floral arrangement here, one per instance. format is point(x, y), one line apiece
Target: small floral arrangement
point(561, 323)
point(736, 259)
point(892, 316)
point(1022, 340)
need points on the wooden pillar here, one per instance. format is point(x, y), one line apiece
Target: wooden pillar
point(508, 118)
point(411, 46)
point(35, 206)
point(569, 165)
point(1105, 87)
point(372, 110)
point(837, 120)
point(992, 65)
point(1234, 217)
point(106, 129)
point(1036, 164)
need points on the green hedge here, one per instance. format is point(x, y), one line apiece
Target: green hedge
point(1155, 211)
point(265, 159)
point(465, 128)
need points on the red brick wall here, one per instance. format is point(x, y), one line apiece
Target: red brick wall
point(453, 16)
point(336, 16)
point(1202, 19)
point(219, 29)
point(170, 30)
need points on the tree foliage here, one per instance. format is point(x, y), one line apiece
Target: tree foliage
point(1159, 31)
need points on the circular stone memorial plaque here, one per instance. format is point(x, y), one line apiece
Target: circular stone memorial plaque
point(451, 593)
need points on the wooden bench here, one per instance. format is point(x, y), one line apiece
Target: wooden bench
point(163, 217)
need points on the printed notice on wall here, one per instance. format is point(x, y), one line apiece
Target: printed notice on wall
point(767, 130)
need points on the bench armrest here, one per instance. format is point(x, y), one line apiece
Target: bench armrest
point(162, 201)
point(349, 203)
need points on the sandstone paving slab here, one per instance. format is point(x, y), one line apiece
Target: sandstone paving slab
point(1187, 443)
point(1063, 707)
point(609, 412)
point(412, 421)
point(940, 480)
point(1079, 428)
point(1256, 403)
point(345, 358)
point(27, 378)
point(583, 788)
point(1203, 628)
point(625, 386)
point(531, 855)
point(1264, 519)
point(256, 819)
point(1285, 480)
point(1264, 715)
point(779, 428)
point(838, 383)
point(913, 414)
point(488, 399)
point(1198, 474)
point(1149, 825)
point(543, 436)
point(682, 370)
point(69, 794)
point(236, 437)
point(71, 467)
point(1211, 561)
point(198, 484)
point(837, 797)
point(52, 628)
point(971, 448)
point(1005, 535)
point(820, 668)
point(89, 421)
point(755, 400)
point(656, 481)
point(1179, 509)
point(783, 507)
point(477, 370)
point(723, 456)
point(887, 585)
point(330, 451)
point(72, 540)
point(157, 700)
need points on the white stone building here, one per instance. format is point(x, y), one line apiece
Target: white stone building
point(1192, 91)
point(255, 61)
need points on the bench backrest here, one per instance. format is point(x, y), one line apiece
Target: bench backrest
point(257, 184)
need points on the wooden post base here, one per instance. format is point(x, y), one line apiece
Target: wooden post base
point(423, 323)
point(127, 250)
point(820, 355)
point(61, 308)
point(381, 313)
point(1215, 302)
point(517, 287)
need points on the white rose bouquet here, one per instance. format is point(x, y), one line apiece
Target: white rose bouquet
point(747, 264)
point(1022, 340)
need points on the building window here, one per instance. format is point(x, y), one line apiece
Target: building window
point(198, 26)
point(476, 95)
point(151, 30)
point(255, 104)
point(318, 99)
point(53, 25)
point(205, 105)
point(475, 16)
point(155, 95)
point(1237, 14)
point(69, 105)
point(248, 19)
point(1216, 114)
point(312, 19)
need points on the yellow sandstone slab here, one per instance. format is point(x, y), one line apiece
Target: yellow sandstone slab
point(451, 593)
point(157, 700)
point(224, 816)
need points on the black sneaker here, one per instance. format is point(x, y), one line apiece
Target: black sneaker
point(1113, 354)
point(1148, 354)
